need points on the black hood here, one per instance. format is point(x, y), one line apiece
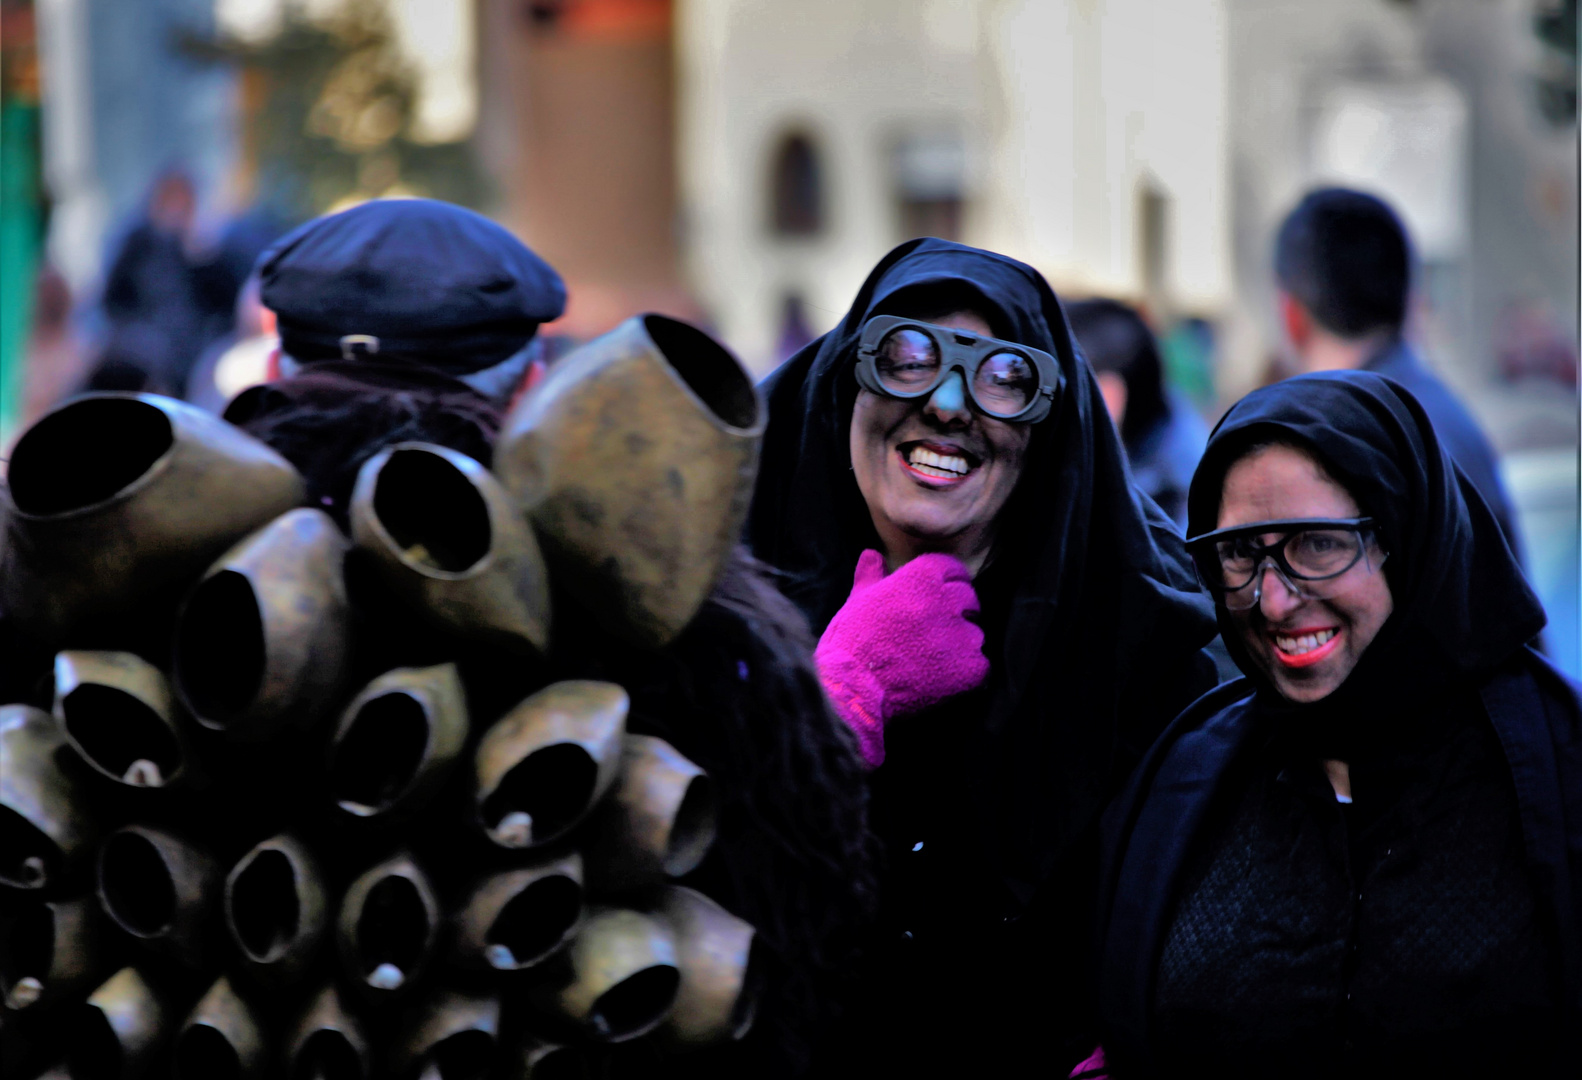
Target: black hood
point(1089, 595)
point(1461, 604)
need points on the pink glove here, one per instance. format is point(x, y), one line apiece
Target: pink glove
point(900, 644)
point(1093, 1068)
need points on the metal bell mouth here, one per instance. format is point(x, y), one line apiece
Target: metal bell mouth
point(119, 1030)
point(48, 952)
point(116, 497)
point(621, 977)
point(158, 888)
point(221, 1040)
point(87, 453)
point(327, 1043)
point(262, 638)
point(544, 765)
point(453, 1036)
point(388, 926)
point(538, 1060)
point(275, 907)
point(44, 829)
point(659, 821)
point(635, 459)
point(397, 741)
point(721, 970)
point(452, 544)
point(518, 919)
point(31, 860)
point(119, 715)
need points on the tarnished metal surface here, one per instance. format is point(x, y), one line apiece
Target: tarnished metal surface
point(118, 712)
point(45, 829)
point(449, 541)
point(275, 908)
point(543, 766)
point(327, 1043)
point(49, 953)
point(162, 890)
point(119, 1030)
point(519, 918)
point(114, 497)
point(635, 459)
point(454, 1036)
point(717, 998)
point(222, 1037)
point(658, 821)
point(397, 741)
point(262, 639)
point(538, 1059)
point(620, 975)
point(389, 922)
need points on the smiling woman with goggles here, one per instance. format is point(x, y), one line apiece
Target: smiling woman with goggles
point(906, 359)
point(1309, 552)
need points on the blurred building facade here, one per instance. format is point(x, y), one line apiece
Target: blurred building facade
point(1086, 138)
point(577, 128)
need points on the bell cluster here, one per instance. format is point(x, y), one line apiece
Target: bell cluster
point(248, 828)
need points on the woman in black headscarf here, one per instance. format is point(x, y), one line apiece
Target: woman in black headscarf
point(1091, 623)
point(1364, 858)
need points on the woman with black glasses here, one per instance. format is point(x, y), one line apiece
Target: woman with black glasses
point(1366, 857)
point(1005, 625)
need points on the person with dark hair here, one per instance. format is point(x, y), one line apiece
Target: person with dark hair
point(1365, 858)
point(1162, 433)
point(736, 693)
point(1005, 624)
point(377, 355)
point(1343, 261)
point(156, 322)
point(374, 353)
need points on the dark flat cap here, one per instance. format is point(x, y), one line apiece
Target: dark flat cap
point(414, 280)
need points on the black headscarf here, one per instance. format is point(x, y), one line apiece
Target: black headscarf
point(1461, 604)
point(1093, 592)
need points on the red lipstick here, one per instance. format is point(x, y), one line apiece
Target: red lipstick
point(1312, 656)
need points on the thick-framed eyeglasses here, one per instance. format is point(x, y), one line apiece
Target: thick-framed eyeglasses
point(1309, 556)
point(907, 359)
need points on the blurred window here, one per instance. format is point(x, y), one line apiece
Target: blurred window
point(797, 194)
point(1153, 222)
point(929, 172)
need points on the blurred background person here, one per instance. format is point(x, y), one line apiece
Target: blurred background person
point(246, 356)
point(153, 303)
point(1163, 434)
point(1344, 265)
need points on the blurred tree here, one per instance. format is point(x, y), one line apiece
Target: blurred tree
point(328, 103)
point(1555, 23)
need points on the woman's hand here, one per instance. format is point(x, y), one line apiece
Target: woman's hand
point(901, 643)
point(1093, 1068)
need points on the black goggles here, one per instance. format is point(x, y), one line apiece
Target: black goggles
point(906, 359)
point(1308, 550)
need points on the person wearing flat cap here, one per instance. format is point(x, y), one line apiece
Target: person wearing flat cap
point(399, 319)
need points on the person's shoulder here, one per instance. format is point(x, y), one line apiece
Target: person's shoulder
point(1211, 725)
point(1218, 712)
point(1450, 415)
point(1557, 688)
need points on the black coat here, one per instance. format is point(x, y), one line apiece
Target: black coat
point(1535, 711)
point(1453, 656)
point(1094, 625)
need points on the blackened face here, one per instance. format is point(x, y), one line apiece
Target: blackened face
point(935, 472)
point(1305, 645)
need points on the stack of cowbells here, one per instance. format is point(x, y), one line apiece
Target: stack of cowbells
point(288, 802)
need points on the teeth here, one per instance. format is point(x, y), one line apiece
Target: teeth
point(1296, 646)
point(947, 467)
